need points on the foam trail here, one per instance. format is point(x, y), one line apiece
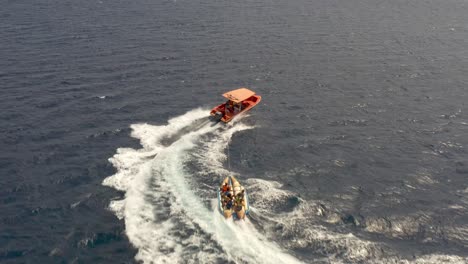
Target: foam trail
point(166, 220)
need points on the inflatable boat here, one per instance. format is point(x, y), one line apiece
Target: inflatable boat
point(229, 204)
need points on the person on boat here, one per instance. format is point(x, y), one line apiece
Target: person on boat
point(225, 197)
point(225, 188)
point(237, 107)
point(229, 108)
point(239, 199)
point(229, 202)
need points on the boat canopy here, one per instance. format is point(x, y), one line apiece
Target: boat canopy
point(238, 95)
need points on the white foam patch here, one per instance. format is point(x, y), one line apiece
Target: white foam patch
point(300, 224)
point(308, 234)
point(166, 220)
point(211, 154)
point(431, 258)
point(266, 194)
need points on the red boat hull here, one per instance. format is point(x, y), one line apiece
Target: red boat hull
point(227, 116)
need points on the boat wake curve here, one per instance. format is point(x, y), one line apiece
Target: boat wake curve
point(167, 215)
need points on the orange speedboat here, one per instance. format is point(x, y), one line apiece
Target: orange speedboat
point(239, 101)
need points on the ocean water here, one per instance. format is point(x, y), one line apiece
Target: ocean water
point(356, 154)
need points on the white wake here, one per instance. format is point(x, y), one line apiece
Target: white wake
point(166, 215)
point(170, 210)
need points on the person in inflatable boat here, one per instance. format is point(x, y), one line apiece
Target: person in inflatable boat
point(228, 201)
point(239, 199)
point(225, 188)
point(229, 204)
point(226, 197)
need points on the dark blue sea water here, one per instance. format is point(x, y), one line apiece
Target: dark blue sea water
point(356, 154)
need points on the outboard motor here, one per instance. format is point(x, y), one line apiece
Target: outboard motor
point(218, 115)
